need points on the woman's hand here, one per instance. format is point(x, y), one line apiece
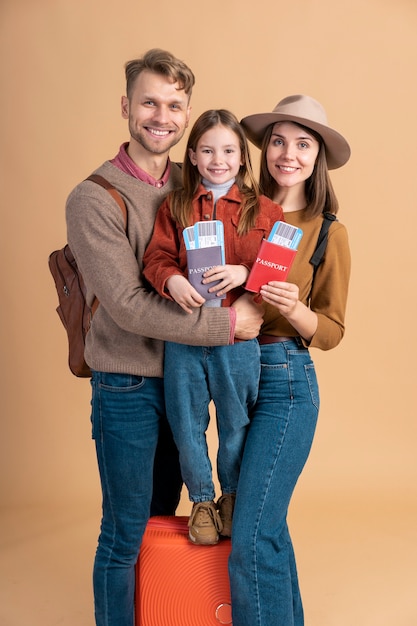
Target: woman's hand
point(230, 276)
point(285, 297)
point(282, 295)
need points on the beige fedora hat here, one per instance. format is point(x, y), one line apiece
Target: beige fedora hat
point(308, 112)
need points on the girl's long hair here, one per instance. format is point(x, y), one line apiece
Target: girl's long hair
point(318, 187)
point(181, 199)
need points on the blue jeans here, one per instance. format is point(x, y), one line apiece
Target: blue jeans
point(228, 375)
point(129, 422)
point(262, 568)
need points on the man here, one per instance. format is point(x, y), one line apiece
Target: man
point(124, 346)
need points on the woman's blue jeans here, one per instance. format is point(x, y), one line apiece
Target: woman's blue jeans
point(262, 568)
point(193, 375)
point(129, 425)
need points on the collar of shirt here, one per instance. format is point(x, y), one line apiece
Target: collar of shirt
point(233, 195)
point(123, 161)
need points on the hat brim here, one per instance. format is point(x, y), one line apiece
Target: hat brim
point(336, 146)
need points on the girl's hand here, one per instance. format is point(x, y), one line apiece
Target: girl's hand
point(184, 293)
point(230, 276)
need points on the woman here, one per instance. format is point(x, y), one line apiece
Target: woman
point(298, 147)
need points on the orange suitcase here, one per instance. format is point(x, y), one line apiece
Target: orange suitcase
point(178, 583)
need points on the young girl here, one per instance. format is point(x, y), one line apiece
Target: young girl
point(215, 169)
point(298, 148)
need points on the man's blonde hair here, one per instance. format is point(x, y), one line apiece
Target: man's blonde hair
point(160, 62)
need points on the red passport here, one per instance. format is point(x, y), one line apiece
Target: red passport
point(272, 263)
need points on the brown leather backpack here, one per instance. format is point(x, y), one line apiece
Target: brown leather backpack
point(73, 310)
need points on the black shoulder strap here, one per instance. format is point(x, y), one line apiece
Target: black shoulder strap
point(96, 178)
point(318, 254)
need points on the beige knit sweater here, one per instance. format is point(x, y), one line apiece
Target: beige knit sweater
point(129, 326)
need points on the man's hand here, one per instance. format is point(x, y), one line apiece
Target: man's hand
point(248, 317)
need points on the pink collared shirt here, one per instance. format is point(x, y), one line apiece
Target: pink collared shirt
point(123, 161)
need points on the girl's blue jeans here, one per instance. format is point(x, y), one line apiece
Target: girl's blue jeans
point(262, 568)
point(129, 429)
point(193, 375)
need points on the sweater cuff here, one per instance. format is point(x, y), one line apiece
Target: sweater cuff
point(232, 316)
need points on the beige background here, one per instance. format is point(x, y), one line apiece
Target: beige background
point(354, 514)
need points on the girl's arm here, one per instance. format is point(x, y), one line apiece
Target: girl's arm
point(161, 258)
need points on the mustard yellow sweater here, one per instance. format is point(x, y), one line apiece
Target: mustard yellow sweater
point(330, 289)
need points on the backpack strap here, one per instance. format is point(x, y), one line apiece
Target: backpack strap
point(318, 254)
point(96, 178)
point(99, 180)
